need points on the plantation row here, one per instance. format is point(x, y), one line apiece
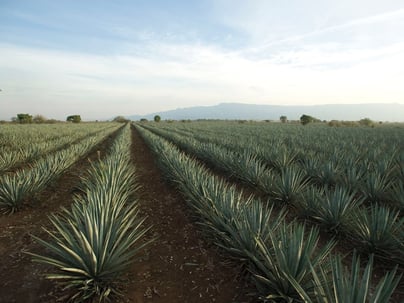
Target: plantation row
point(285, 260)
point(373, 226)
point(22, 143)
point(94, 241)
point(369, 161)
point(15, 188)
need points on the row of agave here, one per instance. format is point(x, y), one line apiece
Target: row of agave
point(36, 141)
point(376, 228)
point(95, 240)
point(285, 261)
point(371, 163)
point(17, 187)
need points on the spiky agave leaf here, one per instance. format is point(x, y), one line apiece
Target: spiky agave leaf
point(254, 221)
point(378, 230)
point(95, 241)
point(282, 267)
point(397, 195)
point(335, 208)
point(308, 203)
point(13, 190)
point(376, 187)
point(289, 185)
point(93, 245)
point(354, 285)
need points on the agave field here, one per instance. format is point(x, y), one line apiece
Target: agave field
point(201, 212)
point(324, 193)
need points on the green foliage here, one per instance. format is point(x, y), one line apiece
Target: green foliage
point(24, 118)
point(366, 122)
point(379, 230)
point(397, 195)
point(282, 267)
point(306, 119)
point(290, 185)
point(333, 208)
point(376, 187)
point(95, 241)
point(13, 190)
point(120, 119)
point(157, 118)
point(337, 123)
point(353, 285)
point(285, 261)
point(39, 119)
point(283, 119)
point(74, 118)
point(16, 187)
point(256, 221)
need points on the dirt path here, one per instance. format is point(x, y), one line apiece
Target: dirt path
point(180, 266)
point(21, 280)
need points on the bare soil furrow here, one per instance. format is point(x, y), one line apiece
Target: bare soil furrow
point(180, 266)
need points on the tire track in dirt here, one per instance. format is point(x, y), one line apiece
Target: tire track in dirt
point(180, 266)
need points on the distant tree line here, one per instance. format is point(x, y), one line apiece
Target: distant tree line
point(24, 118)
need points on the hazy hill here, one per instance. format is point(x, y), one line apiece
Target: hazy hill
point(230, 111)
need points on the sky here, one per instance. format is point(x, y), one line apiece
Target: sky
point(104, 58)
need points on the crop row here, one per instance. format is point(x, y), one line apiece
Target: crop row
point(18, 143)
point(15, 188)
point(368, 161)
point(285, 260)
point(94, 241)
point(376, 229)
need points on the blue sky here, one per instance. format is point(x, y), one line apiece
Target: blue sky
point(101, 59)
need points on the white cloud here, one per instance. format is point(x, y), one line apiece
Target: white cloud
point(58, 83)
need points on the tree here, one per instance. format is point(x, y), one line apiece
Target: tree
point(120, 119)
point(24, 118)
point(74, 118)
point(157, 118)
point(306, 119)
point(366, 122)
point(283, 119)
point(39, 119)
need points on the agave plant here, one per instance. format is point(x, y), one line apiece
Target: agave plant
point(397, 195)
point(112, 175)
point(310, 165)
point(354, 285)
point(283, 159)
point(13, 190)
point(95, 241)
point(352, 177)
point(386, 165)
point(328, 174)
point(91, 247)
point(282, 267)
point(378, 230)
point(308, 203)
point(248, 168)
point(253, 221)
point(333, 211)
point(376, 187)
point(267, 182)
point(290, 185)
point(8, 159)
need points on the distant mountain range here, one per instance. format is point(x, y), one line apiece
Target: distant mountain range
point(239, 111)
